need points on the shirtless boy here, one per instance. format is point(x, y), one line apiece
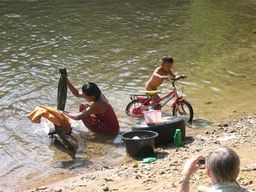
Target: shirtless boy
point(161, 73)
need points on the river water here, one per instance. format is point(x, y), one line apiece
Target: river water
point(116, 44)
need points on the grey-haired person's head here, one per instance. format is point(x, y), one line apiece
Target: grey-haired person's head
point(224, 165)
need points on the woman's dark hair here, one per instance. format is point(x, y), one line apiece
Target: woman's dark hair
point(91, 89)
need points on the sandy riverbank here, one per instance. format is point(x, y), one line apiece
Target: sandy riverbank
point(163, 174)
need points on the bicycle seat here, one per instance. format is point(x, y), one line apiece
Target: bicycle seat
point(151, 93)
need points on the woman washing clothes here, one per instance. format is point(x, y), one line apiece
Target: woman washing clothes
point(98, 117)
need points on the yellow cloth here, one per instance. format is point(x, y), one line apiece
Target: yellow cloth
point(53, 115)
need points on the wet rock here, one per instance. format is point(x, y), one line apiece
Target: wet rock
point(106, 167)
point(57, 190)
point(81, 185)
point(250, 167)
point(108, 179)
point(41, 188)
point(105, 188)
point(162, 173)
point(247, 182)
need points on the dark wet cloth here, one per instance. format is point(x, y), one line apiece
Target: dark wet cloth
point(62, 90)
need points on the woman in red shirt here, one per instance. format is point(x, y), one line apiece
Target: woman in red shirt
point(99, 116)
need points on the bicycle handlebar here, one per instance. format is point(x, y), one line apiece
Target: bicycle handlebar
point(177, 78)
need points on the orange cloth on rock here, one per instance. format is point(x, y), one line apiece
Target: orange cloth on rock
point(53, 115)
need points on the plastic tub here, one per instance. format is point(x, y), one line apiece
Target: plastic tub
point(153, 116)
point(139, 143)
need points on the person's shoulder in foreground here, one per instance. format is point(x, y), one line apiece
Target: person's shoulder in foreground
point(227, 187)
point(223, 177)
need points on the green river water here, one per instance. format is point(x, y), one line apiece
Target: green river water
point(116, 44)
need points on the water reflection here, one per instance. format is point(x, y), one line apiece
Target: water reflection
point(72, 164)
point(200, 124)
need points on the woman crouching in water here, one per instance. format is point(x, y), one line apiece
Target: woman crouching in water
point(98, 117)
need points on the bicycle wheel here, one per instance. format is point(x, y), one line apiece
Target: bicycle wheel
point(135, 108)
point(185, 110)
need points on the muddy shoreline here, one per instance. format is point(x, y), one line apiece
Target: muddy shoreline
point(163, 174)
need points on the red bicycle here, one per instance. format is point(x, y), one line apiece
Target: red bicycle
point(179, 106)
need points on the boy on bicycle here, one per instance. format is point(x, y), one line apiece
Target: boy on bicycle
point(161, 73)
